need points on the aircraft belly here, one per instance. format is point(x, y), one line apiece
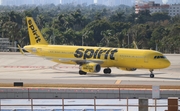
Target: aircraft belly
point(130, 63)
point(106, 65)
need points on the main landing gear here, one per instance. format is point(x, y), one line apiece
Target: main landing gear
point(107, 71)
point(82, 72)
point(151, 75)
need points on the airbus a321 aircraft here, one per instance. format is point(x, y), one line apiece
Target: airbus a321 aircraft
point(91, 59)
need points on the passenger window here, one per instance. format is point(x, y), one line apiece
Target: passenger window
point(154, 57)
point(158, 57)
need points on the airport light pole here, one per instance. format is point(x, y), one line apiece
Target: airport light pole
point(82, 40)
point(83, 37)
point(156, 42)
point(128, 39)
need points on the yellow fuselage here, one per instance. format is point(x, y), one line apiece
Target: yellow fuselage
point(111, 57)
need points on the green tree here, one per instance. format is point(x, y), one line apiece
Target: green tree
point(157, 35)
point(160, 17)
point(143, 17)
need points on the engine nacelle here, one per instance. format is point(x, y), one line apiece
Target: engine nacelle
point(128, 69)
point(90, 67)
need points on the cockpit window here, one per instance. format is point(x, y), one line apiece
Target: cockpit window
point(158, 57)
point(163, 56)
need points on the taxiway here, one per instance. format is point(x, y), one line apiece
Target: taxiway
point(36, 70)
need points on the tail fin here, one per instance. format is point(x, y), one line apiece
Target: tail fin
point(34, 33)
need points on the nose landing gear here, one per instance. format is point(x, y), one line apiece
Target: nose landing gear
point(151, 75)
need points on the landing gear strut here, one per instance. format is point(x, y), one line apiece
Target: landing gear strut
point(107, 71)
point(151, 75)
point(80, 71)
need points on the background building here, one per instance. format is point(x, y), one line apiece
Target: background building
point(126, 2)
point(116, 2)
point(22, 2)
point(172, 10)
point(4, 44)
point(76, 2)
point(146, 1)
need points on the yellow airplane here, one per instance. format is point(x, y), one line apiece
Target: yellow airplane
point(91, 59)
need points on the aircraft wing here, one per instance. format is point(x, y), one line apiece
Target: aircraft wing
point(84, 61)
point(78, 61)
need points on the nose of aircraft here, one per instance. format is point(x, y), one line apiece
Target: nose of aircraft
point(166, 63)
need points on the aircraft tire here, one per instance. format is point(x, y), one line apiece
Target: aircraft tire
point(151, 75)
point(107, 71)
point(82, 72)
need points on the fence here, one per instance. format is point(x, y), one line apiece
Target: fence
point(87, 104)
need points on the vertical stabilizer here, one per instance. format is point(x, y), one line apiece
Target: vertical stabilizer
point(35, 35)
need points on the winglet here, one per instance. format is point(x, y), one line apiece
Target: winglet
point(20, 49)
point(135, 45)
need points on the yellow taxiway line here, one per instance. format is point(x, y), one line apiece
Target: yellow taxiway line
point(90, 86)
point(118, 82)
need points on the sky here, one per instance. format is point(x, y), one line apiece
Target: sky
point(95, 1)
point(164, 1)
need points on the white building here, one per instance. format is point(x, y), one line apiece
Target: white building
point(172, 10)
point(146, 1)
point(162, 8)
point(154, 8)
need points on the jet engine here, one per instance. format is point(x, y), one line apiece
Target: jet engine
point(128, 69)
point(90, 67)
